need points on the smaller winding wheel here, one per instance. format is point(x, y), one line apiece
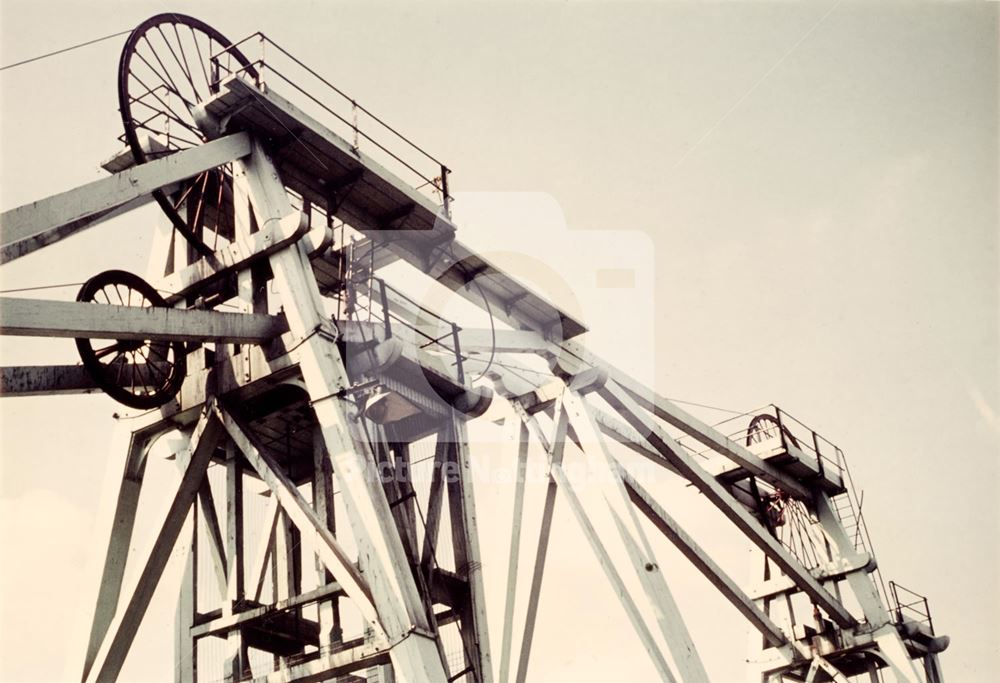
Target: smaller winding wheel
point(139, 373)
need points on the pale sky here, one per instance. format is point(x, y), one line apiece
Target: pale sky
point(810, 188)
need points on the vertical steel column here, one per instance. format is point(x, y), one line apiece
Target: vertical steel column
point(186, 647)
point(519, 431)
point(883, 630)
point(236, 649)
point(330, 631)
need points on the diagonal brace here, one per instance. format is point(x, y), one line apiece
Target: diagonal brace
point(121, 632)
point(620, 400)
point(303, 516)
point(33, 221)
point(700, 559)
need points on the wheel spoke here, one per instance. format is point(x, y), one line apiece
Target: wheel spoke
point(171, 136)
point(178, 61)
point(218, 209)
point(154, 349)
point(148, 82)
point(187, 67)
point(144, 371)
point(154, 368)
point(165, 76)
point(135, 372)
point(102, 352)
point(184, 195)
point(201, 60)
point(121, 368)
point(167, 107)
point(201, 200)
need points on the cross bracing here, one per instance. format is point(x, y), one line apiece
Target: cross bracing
point(318, 381)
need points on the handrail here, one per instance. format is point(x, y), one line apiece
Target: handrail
point(261, 67)
point(917, 602)
point(386, 315)
point(828, 457)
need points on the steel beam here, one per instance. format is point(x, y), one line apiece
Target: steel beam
point(894, 653)
point(608, 565)
point(842, 551)
point(213, 531)
point(221, 624)
point(32, 243)
point(575, 353)
point(465, 544)
point(702, 561)
point(236, 256)
point(435, 503)
point(119, 541)
point(235, 586)
point(46, 380)
point(866, 593)
point(45, 216)
point(234, 590)
point(302, 515)
point(510, 300)
point(119, 516)
point(556, 448)
point(520, 433)
point(643, 560)
point(630, 410)
point(45, 318)
point(328, 611)
point(185, 643)
point(258, 565)
point(835, 570)
point(122, 629)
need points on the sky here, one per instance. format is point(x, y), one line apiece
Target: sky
point(807, 192)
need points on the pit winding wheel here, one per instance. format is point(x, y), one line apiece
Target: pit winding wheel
point(170, 64)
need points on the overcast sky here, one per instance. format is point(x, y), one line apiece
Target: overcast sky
point(810, 191)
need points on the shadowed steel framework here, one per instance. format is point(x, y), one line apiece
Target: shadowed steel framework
point(319, 416)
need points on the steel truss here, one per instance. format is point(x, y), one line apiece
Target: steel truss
point(345, 575)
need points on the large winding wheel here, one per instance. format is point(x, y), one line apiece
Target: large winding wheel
point(139, 373)
point(170, 64)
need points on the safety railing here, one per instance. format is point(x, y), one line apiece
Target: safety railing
point(769, 428)
point(733, 428)
point(849, 508)
point(910, 606)
point(269, 64)
point(433, 333)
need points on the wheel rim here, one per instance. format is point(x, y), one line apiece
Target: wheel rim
point(797, 534)
point(138, 373)
point(166, 69)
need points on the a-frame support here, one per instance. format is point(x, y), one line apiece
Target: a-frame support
point(382, 585)
point(394, 584)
